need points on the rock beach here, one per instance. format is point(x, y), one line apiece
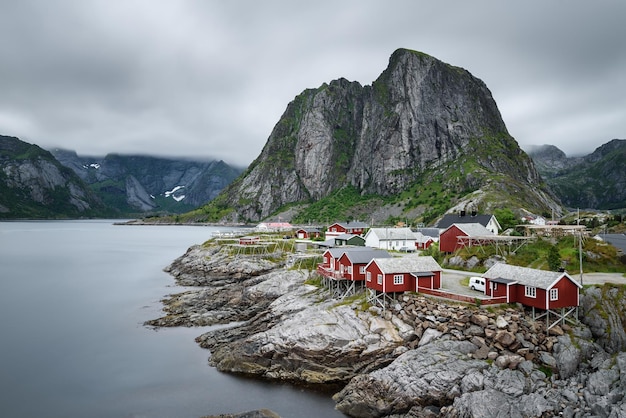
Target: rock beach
point(419, 357)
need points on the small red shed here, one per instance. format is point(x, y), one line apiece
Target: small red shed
point(403, 274)
point(422, 242)
point(308, 233)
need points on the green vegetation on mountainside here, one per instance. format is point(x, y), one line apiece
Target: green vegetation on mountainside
point(597, 256)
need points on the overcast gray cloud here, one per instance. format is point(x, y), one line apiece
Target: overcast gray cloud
point(211, 78)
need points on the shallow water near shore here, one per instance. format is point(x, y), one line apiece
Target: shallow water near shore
point(73, 299)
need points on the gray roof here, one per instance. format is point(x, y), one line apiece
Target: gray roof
point(348, 236)
point(361, 257)
point(455, 218)
point(392, 233)
point(351, 224)
point(307, 229)
point(541, 279)
point(408, 264)
point(474, 229)
point(616, 240)
point(429, 232)
point(339, 251)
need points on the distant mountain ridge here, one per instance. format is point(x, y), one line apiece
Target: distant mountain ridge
point(34, 185)
point(595, 181)
point(425, 136)
point(139, 183)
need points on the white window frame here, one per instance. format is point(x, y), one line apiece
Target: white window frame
point(398, 279)
point(350, 270)
point(554, 294)
point(379, 279)
point(530, 291)
point(361, 269)
point(368, 276)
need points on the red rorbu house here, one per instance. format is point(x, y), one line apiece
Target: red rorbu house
point(342, 267)
point(308, 233)
point(339, 228)
point(449, 240)
point(422, 241)
point(538, 289)
point(330, 266)
point(353, 263)
point(404, 274)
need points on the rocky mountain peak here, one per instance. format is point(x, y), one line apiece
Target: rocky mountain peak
point(419, 115)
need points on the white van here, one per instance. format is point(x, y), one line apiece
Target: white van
point(477, 283)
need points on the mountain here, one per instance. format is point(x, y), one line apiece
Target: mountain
point(135, 183)
point(423, 138)
point(34, 185)
point(595, 181)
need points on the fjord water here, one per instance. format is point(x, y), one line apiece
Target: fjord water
point(73, 299)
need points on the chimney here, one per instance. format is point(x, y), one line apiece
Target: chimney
point(462, 213)
point(474, 213)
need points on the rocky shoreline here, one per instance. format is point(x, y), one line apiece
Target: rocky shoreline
point(419, 357)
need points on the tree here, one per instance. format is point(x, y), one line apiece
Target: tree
point(554, 258)
point(506, 218)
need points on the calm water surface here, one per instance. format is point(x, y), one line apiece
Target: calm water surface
point(73, 298)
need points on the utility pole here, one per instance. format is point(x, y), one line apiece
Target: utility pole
point(580, 256)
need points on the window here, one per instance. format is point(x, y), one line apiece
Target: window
point(380, 279)
point(554, 294)
point(368, 276)
point(398, 279)
point(362, 269)
point(349, 269)
point(530, 291)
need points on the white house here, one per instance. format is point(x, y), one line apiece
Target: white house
point(391, 238)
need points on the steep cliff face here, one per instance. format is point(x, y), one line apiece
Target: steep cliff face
point(419, 116)
point(134, 183)
point(594, 181)
point(34, 185)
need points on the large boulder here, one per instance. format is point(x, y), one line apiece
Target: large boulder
point(429, 375)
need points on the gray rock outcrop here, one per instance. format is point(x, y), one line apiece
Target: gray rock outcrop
point(420, 115)
point(420, 357)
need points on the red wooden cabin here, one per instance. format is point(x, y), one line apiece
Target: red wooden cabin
point(403, 274)
point(330, 265)
point(353, 263)
point(308, 233)
point(449, 241)
point(339, 228)
point(547, 290)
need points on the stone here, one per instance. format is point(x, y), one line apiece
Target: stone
point(480, 320)
point(429, 335)
point(482, 353)
point(501, 322)
point(429, 375)
point(505, 338)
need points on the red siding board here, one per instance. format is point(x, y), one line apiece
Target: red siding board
point(448, 241)
point(568, 294)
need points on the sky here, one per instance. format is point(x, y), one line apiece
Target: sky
point(209, 79)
